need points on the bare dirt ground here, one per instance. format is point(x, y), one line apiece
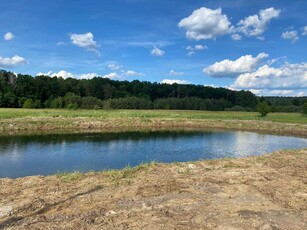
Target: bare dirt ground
point(265, 192)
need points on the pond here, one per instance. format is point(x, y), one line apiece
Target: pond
point(49, 154)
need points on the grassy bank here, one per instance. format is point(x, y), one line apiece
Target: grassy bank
point(17, 120)
point(263, 192)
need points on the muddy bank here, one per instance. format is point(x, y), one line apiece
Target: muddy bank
point(19, 126)
point(264, 192)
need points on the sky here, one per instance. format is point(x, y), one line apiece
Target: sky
point(257, 45)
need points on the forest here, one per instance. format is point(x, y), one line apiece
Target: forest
point(25, 91)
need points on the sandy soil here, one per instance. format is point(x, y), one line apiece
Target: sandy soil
point(265, 192)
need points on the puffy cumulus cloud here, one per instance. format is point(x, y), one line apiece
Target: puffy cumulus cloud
point(255, 25)
point(12, 62)
point(205, 23)
point(228, 68)
point(304, 30)
point(157, 52)
point(175, 81)
point(175, 73)
point(290, 35)
point(8, 36)
point(85, 41)
point(113, 66)
point(64, 74)
point(286, 77)
point(112, 76)
point(132, 73)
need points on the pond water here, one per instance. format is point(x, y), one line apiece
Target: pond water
point(49, 154)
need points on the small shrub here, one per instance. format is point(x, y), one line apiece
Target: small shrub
point(248, 109)
point(28, 104)
point(96, 107)
point(235, 108)
point(305, 108)
point(263, 108)
point(72, 106)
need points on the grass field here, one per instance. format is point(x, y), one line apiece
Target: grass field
point(172, 114)
point(15, 121)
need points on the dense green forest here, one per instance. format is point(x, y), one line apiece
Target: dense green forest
point(55, 92)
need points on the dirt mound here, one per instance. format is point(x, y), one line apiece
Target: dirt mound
point(265, 192)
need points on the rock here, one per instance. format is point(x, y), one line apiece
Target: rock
point(110, 213)
point(6, 211)
point(191, 166)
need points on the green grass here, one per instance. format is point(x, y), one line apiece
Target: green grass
point(148, 114)
point(69, 176)
point(127, 173)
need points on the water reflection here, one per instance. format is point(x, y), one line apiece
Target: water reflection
point(47, 154)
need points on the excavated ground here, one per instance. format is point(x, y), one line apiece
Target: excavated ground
point(264, 192)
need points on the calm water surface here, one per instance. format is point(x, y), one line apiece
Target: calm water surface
point(49, 154)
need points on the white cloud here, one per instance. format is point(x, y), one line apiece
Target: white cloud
point(87, 75)
point(270, 92)
point(255, 25)
point(85, 41)
point(113, 66)
point(282, 92)
point(190, 53)
point(44, 74)
point(191, 50)
point(205, 23)
point(228, 68)
point(157, 52)
point(256, 91)
point(132, 73)
point(286, 77)
point(8, 36)
point(301, 94)
point(174, 81)
point(60, 43)
point(64, 74)
point(175, 73)
point(236, 37)
point(290, 35)
point(12, 62)
point(304, 30)
point(200, 47)
point(112, 76)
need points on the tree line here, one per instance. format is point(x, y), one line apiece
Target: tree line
point(21, 90)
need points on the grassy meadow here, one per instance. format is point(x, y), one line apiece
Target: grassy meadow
point(15, 121)
point(171, 114)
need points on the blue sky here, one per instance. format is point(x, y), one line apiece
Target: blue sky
point(257, 45)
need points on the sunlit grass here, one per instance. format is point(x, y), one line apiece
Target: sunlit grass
point(143, 114)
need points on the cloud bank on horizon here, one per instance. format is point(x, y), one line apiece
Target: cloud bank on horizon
point(247, 45)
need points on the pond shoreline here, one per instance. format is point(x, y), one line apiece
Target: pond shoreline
point(263, 192)
point(20, 126)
